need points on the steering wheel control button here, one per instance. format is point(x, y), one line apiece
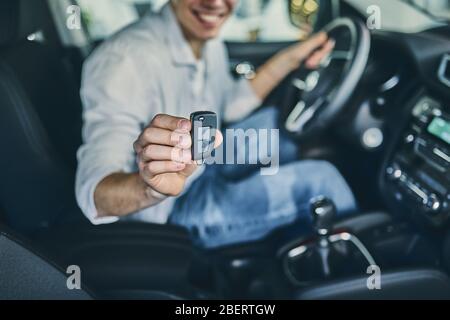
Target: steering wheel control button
point(311, 81)
point(299, 84)
point(309, 84)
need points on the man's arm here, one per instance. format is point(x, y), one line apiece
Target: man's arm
point(165, 162)
point(122, 193)
point(243, 97)
point(288, 60)
point(115, 104)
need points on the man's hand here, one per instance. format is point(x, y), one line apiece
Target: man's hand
point(164, 154)
point(164, 159)
point(310, 52)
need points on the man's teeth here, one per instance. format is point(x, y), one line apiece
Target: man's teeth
point(209, 17)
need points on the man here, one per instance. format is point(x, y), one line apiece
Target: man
point(142, 84)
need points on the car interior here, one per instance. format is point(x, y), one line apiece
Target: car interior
point(384, 122)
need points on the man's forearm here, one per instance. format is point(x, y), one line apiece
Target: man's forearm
point(271, 74)
point(121, 194)
point(278, 67)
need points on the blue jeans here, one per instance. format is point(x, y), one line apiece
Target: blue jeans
point(232, 204)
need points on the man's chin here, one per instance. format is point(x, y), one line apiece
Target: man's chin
point(205, 36)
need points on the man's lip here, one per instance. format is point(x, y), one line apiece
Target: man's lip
point(208, 18)
point(220, 14)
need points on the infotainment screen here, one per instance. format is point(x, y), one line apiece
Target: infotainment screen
point(440, 128)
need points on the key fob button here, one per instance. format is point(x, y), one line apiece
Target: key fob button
point(204, 126)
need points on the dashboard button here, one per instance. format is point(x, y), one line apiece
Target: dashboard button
point(410, 138)
point(434, 203)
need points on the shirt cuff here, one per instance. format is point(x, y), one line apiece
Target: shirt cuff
point(87, 202)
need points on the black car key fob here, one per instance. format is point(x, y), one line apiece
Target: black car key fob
point(203, 134)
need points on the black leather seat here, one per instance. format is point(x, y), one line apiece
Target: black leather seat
point(26, 276)
point(129, 257)
point(40, 125)
point(40, 120)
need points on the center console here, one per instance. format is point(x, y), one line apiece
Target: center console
point(417, 175)
point(331, 254)
point(415, 180)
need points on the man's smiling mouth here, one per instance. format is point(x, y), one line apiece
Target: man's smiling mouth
point(209, 18)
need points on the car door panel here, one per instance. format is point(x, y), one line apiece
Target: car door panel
point(254, 52)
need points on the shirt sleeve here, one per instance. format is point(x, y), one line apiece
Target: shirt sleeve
point(240, 99)
point(115, 104)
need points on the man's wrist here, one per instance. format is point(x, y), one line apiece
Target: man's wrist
point(150, 196)
point(273, 72)
point(289, 60)
point(281, 65)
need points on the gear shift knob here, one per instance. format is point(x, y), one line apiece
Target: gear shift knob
point(323, 211)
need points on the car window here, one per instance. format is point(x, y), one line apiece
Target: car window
point(261, 20)
point(400, 15)
point(436, 8)
point(254, 20)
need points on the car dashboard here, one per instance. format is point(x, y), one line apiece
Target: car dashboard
point(415, 176)
point(417, 172)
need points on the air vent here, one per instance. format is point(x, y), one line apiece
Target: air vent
point(444, 70)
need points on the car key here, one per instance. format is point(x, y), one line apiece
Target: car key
point(203, 134)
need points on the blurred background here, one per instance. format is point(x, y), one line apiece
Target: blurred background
point(254, 20)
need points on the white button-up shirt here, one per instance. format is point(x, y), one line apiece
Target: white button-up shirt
point(147, 69)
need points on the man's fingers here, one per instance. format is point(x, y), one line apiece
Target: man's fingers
point(219, 139)
point(165, 137)
point(316, 58)
point(137, 147)
point(189, 169)
point(155, 168)
point(316, 40)
point(164, 121)
point(308, 46)
point(158, 152)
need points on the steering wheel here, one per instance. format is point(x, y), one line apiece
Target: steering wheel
point(315, 98)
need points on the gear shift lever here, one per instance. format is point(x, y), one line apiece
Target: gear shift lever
point(328, 254)
point(323, 212)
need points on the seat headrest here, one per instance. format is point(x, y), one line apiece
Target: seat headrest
point(17, 20)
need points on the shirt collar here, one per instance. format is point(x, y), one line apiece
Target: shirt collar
point(179, 48)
